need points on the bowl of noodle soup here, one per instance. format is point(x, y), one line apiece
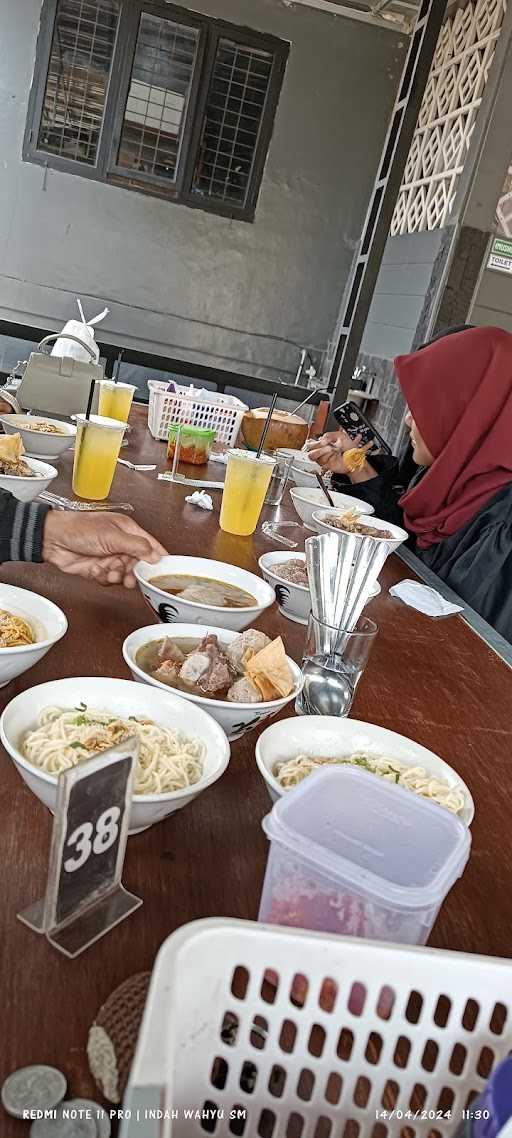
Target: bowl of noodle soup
point(286, 753)
point(55, 725)
point(29, 626)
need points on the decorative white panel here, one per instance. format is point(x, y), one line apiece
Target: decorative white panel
point(504, 209)
point(447, 117)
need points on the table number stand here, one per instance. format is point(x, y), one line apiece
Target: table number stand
point(84, 896)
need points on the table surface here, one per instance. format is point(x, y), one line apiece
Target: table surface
point(435, 681)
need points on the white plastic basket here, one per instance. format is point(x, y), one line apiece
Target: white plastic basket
point(362, 1038)
point(221, 413)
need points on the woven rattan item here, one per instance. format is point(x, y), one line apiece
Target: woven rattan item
point(113, 1036)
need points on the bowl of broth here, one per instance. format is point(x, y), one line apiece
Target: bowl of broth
point(144, 650)
point(195, 590)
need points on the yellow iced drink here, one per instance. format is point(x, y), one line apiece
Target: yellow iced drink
point(246, 484)
point(115, 399)
point(98, 441)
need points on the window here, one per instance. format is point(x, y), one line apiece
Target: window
point(155, 98)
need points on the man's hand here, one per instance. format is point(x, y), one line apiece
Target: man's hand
point(100, 547)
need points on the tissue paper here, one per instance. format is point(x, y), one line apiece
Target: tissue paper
point(423, 598)
point(200, 498)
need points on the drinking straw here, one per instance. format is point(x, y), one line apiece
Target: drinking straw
point(322, 485)
point(89, 401)
point(176, 457)
point(306, 400)
point(117, 367)
point(264, 432)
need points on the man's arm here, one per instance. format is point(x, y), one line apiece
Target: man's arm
point(21, 529)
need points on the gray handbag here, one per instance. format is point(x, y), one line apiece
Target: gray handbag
point(56, 385)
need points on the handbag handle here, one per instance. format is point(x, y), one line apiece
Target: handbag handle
point(65, 336)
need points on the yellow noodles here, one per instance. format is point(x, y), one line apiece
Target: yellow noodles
point(290, 772)
point(168, 759)
point(14, 631)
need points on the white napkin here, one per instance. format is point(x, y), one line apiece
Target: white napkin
point(219, 457)
point(200, 498)
point(423, 598)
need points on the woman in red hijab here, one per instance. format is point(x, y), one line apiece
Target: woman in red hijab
point(458, 507)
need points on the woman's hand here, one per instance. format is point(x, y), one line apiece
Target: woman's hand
point(329, 451)
point(100, 547)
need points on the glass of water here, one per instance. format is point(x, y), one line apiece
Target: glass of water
point(333, 663)
point(277, 484)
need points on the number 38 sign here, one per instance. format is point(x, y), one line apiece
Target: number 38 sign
point(84, 895)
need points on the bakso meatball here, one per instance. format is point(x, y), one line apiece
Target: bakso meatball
point(248, 642)
point(244, 691)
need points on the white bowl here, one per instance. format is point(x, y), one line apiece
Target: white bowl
point(26, 489)
point(125, 698)
point(294, 600)
point(47, 621)
point(321, 521)
point(331, 737)
point(171, 609)
point(306, 501)
point(40, 444)
point(235, 718)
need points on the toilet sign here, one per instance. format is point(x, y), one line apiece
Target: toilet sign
point(84, 895)
point(500, 257)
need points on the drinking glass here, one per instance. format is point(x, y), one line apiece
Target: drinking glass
point(333, 663)
point(277, 485)
point(98, 442)
point(115, 399)
point(245, 486)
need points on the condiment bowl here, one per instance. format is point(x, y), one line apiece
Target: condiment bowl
point(25, 489)
point(294, 600)
point(235, 718)
point(40, 444)
point(47, 622)
point(170, 609)
point(306, 501)
point(328, 736)
point(123, 698)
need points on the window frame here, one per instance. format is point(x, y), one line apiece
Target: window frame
point(105, 169)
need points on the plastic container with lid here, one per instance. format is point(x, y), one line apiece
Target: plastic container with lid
point(195, 443)
point(354, 854)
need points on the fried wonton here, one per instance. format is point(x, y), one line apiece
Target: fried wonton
point(270, 671)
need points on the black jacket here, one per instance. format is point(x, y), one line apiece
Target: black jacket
point(476, 562)
point(21, 529)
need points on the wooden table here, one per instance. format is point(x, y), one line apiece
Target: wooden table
point(433, 680)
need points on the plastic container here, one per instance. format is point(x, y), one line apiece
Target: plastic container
point(197, 408)
point(308, 1062)
point(354, 854)
point(195, 443)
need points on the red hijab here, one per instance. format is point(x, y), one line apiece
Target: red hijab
point(459, 393)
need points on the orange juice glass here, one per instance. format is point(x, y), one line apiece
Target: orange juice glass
point(97, 446)
point(115, 399)
point(245, 486)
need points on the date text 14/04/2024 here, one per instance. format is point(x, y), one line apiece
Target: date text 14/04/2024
point(430, 1115)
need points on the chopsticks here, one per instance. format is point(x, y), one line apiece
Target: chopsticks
point(323, 487)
